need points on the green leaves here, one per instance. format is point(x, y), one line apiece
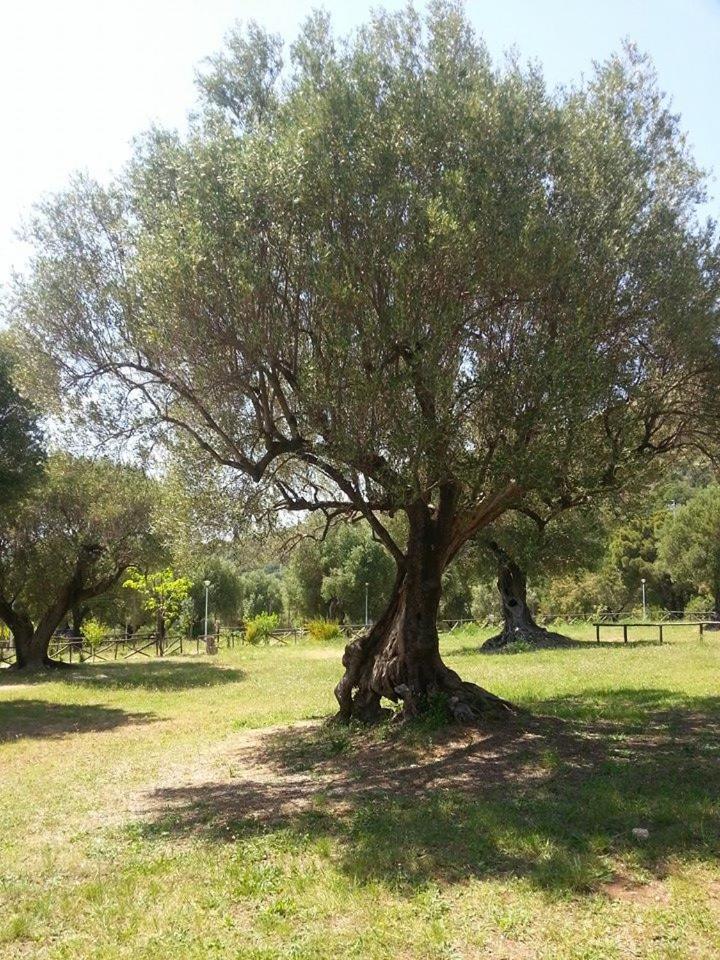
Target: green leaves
point(395, 267)
point(690, 542)
point(161, 591)
point(73, 534)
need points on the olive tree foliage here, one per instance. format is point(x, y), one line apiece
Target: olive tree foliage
point(363, 571)
point(261, 592)
point(224, 592)
point(394, 277)
point(68, 540)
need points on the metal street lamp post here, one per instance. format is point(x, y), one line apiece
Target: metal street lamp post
point(367, 619)
point(207, 592)
point(642, 581)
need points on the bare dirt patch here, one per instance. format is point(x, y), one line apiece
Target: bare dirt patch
point(267, 775)
point(651, 893)
point(544, 798)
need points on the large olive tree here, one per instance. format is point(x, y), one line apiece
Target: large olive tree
point(393, 277)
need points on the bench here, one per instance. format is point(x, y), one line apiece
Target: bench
point(701, 624)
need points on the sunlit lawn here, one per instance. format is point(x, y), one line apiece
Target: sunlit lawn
point(131, 826)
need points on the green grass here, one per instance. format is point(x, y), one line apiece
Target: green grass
point(142, 817)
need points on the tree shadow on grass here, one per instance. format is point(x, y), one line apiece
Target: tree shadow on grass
point(143, 675)
point(42, 719)
point(553, 800)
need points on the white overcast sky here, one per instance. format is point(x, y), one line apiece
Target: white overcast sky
point(79, 78)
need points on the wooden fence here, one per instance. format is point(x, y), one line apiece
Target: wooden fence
point(661, 625)
point(120, 647)
point(74, 650)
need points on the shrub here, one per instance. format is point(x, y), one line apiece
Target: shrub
point(94, 631)
point(259, 629)
point(699, 606)
point(323, 629)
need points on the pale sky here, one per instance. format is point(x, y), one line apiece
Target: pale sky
point(80, 78)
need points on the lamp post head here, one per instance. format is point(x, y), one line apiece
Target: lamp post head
point(643, 580)
point(206, 582)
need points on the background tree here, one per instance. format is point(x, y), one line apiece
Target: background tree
point(303, 580)
point(634, 538)
point(355, 566)
point(585, 592)
point(326, 577)
point(261, 592)
point(21, 447)
point(527, 544)
point(690, 542)
point(225, 593)
point(401, 281)
point(163, 595)
point(633, 551)
point(69, 540)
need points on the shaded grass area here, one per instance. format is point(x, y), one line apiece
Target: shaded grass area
point(549, 800)
point(138, 674)
point(44, 719)
point(174, 813)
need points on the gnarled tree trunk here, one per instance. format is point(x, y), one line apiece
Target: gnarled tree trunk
point(32, 645)
point(399, 658)
point(518, 621)
point(32, 641)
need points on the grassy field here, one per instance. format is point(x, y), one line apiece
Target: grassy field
point(168, 810)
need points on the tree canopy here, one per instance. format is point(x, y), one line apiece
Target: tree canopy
point(327, 578)
point(388, 276)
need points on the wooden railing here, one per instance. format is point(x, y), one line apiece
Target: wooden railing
point(121, 647)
